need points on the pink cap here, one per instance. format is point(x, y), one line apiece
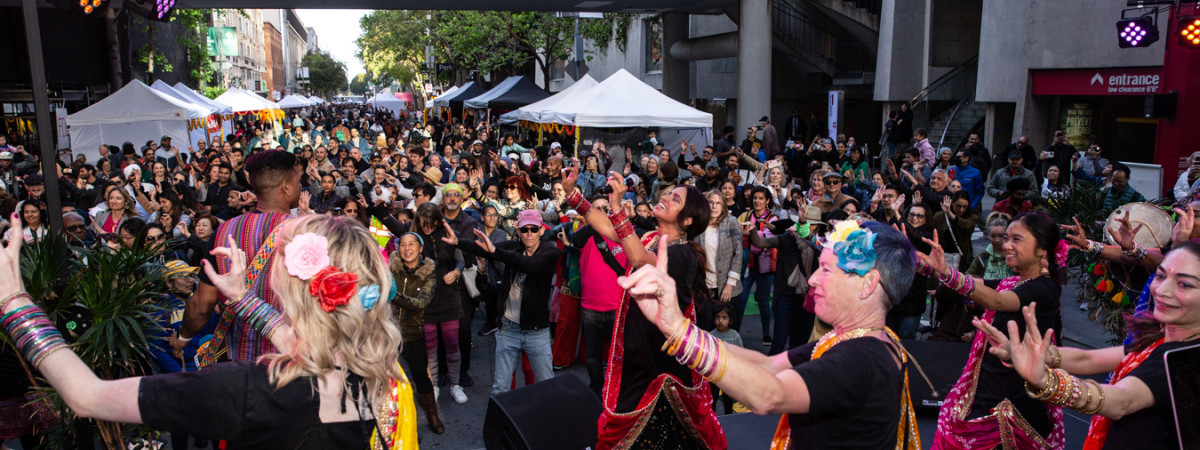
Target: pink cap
point(529, 217)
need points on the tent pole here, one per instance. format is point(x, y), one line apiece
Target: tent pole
point(539, 136)
point(41, 106)
point(577, 136)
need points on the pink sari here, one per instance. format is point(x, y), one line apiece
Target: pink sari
point(1004, 427)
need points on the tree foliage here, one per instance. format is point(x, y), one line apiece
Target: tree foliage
point(325, 74)
point(393, 42)
point(358, 84)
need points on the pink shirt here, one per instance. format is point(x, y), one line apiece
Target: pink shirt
point(599, 281)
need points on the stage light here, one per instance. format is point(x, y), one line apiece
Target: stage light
point(159, 10)
point(1137, 32)
point(90, 6)
point(1189, 31)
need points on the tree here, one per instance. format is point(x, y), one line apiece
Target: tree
point(358, 85)
point(393, 43)
point(325, 74)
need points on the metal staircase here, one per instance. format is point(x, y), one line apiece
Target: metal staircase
point(838, 55)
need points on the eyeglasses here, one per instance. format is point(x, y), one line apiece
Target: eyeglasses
point(530, 229)
point(916, 215)
point(491, 215)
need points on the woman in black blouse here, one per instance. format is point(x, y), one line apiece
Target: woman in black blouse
point(988, 405)
point(333, 385)
point(1136, 410)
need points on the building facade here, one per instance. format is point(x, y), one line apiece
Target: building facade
point(246, 70)
point(293, 45)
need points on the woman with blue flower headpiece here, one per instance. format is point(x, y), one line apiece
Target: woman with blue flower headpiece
point(848, 390)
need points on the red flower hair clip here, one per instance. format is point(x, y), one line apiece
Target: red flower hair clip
point(332, 287)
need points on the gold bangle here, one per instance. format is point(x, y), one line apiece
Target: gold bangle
point(4, 303)
point(1087, 386)
point(724, 358)
point(1100, 391)
point(674, 337)
point(1057, 357)
point(1047, 390)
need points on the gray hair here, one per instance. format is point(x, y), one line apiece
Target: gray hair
point(895, 259)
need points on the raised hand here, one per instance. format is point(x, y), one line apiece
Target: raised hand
point(654, 292)
point(232, 283)
point(899, 203)
point(305, 200)
point(1076, 236)
point(998, 342)
point(617, 183)
point(484, 242)
point(917, 197)
point(1182, 230)
point(10, 260)
point(936, 258)
point(450, 237)
point(1124, 233)
point(570, 176)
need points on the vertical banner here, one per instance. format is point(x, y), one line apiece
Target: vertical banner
point(60, 121)
point(836, 101)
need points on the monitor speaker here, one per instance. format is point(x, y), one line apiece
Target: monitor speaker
point(559, 413)
point(942, 362)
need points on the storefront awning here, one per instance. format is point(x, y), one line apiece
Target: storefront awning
point(1110, 81)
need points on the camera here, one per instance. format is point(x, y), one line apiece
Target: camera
point(604, 190)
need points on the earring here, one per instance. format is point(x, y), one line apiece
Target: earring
point(1045, 266)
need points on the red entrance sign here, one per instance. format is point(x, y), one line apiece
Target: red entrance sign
point(1118, 81)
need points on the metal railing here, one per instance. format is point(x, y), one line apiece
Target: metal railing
point(844, 55)
point(961, 78)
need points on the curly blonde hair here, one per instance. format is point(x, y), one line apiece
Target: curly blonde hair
point(350, 337)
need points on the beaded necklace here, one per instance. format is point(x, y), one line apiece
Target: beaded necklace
point(833, 338)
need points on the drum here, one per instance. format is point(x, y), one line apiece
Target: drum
point(1156, 224)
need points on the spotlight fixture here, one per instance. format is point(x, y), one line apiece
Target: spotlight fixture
point(90, 6)
point(1137, 32)
point(159, 10)
point(84, 7)
point(1189, 31)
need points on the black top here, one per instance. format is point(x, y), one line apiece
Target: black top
point(997, 382)
point(644, 360)
point(855, 396)
point(1153, 427)
point(234, 401)
point(537, 271)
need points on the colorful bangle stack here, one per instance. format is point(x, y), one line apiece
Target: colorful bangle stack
point(1063, 389)
point(258, 314)
point(698, 350)
point(1136, 253)
point(578, 203)
point(923, 268)
point(33, 333)
point(959, 282)
point(1094, 248)
point(4, 303)
point(621, 224)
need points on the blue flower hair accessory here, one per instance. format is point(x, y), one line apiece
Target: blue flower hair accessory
point(369, 296)
point(854, 247)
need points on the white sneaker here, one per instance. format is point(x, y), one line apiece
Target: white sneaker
point(457, 393)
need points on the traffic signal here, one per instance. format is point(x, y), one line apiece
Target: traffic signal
point(1189, 31)
point(1137, 32)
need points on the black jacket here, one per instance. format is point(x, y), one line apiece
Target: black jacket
point(539, 272)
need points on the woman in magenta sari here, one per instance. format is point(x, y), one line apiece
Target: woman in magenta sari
point(988, 407)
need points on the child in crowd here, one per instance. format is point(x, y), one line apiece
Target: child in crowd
point(723, 317)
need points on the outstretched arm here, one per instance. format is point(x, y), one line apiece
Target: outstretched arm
point(634, 250)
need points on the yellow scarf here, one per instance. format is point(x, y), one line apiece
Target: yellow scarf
point(397, 418)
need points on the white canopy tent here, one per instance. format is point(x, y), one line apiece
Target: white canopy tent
point(245, 101)
point(533, 111)
point(294, 101)
point(387, 100)
point(197, 129)
point(225, 113)
point(135, 113)
point(316, 100)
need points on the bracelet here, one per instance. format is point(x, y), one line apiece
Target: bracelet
point(33, 333)
point(1057, 363)
point(1136, 253)
point(257, 313)
point(674, 337)
point(1100, 395)
point(578, 203)
point(958, 282)
point(1044, 393)
point(181, 338)
point(4, 303)
point(1094, 248)
point(621, 225)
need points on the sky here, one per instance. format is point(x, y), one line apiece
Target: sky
point(336, 31)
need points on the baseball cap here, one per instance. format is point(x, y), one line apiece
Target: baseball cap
point(712, 165)
point(177, 269)
point(555, 145)
point(1015, 154)
point(529, 217)
point(34, 180)
point(763, 119)
point(477, 142)
point(6, 156)
point(165, 138)
point(831, 174)
point(632, 180)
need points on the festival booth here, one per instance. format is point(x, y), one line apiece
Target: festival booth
point(215, 127)
point(387, 100)
point(294, 101)
point(512, 93)
point(316, 100)
point(135, 113)
point(250, 106)
point(197, 128)
point(451, 104)
point(430, 104)
point(618, 111)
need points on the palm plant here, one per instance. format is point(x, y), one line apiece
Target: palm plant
point(104, 301)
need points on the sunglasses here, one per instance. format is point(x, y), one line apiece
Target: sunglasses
point(530, 229)
point(918, 216)
point(834, 182)
point(510, 187)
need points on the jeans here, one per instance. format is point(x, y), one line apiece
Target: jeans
point(762, 296)
point(597, 336)
point(510, 341)
point(904, 326)
point(792, 323)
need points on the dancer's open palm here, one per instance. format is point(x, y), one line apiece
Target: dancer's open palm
point(232, 283)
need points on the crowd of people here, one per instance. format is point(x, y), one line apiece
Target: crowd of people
point(354, 238)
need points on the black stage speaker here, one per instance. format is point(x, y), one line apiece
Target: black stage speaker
point(943, 362)
point(1161, 105)
point(559, 413)
point(749, 431)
